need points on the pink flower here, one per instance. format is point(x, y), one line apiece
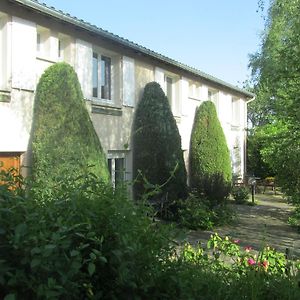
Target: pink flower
point(251, 262)
point(236, 241)
point(248, 248)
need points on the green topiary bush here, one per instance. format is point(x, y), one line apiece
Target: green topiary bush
point(157, 153)
point(64, 139)
point(210, 165)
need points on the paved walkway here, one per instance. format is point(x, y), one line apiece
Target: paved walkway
point(256, 226)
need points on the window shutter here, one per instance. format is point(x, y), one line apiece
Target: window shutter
point(128, 81)
point(159, 76)
point(84, 67)
point(23, 54)
point(184, 87)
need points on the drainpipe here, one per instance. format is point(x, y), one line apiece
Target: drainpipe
point(245, 136)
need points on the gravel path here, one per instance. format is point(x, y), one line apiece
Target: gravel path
point(260, 225)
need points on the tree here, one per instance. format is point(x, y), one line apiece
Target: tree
point(64, 138)
point(276, 80)
point(157, 153)
point(210, 165)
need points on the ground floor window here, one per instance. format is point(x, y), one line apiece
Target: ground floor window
point(117, 168)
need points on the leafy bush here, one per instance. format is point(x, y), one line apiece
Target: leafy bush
point(90, 242)
point(195, 213)
point(240, 194)
point(83, 242)
point(210, 164)
point(294, 219)
point(63, 134)
point(157, 153)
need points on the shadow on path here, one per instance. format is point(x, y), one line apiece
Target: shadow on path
point(257, 226)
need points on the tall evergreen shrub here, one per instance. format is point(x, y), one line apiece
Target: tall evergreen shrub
point(210, 164)
point(64, 138)
point(157, 147)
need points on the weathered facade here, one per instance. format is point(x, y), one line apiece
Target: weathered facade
point(112, 72)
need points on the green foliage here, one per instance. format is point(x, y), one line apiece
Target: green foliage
point(210, 165)
point(276, 79)
point(86, 241)
point(294, 219)
point(240, 194)
point(64, 138)
point(90, 242)
point(157, 153)
point(195, 213)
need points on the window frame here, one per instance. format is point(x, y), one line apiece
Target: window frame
point(104, 93)
point(112, 159)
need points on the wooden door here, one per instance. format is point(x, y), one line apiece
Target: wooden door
point(8, 161)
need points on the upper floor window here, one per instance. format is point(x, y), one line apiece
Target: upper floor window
point(194, 90)
point(235, 112)
point(102, 77)
point(105, 77)
point(169, 89)
point(213, 95)
point(43, 42)
point(5, 50)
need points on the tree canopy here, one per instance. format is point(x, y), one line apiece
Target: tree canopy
point(276, 80)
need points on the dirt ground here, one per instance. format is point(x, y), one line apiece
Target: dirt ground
point(259, 225)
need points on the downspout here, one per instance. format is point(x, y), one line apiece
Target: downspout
point(245, 135)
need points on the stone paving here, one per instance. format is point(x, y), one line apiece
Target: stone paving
point(259, 225)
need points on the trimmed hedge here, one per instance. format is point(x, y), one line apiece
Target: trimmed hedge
point(64, 139)
point(157, 147)
point(210, 163)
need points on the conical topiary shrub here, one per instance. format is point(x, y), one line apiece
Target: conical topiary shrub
point(210, 165)
point(64, 139)
point(157, 148)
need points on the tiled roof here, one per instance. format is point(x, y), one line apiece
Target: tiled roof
point(51, 11)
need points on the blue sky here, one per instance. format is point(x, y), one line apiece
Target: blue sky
point(214, 36)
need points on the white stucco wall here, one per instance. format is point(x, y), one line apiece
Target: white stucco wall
point(114, 131)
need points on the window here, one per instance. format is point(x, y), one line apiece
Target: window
point(105, 77)
point(194, 90)
point(102, 76)
point(5, 52)
point(213, 95)
point(116, 166)
point(43, 42)
point(169, 89)
point(235, 109)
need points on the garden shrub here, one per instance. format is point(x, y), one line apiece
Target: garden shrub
point(64, 138)
point(240, 194)
point(210, 165)
point(195, 213)
point(90, 242)
point(157, 154)
point(86, 241)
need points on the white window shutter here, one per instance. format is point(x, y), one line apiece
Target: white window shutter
point(128, 81)
point(184, 88)
point(84, 67)
point(159, 76)
point(23, 54)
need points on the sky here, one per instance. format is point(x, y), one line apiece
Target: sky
point(214, 36)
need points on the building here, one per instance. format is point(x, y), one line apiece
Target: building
point(112, 72)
